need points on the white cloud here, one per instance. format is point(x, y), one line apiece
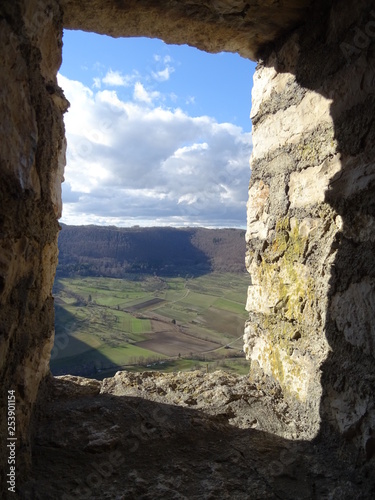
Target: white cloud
point(163, 75)
point(117, 79)
point(97, 83)
point(128, 163)
point(142, 95)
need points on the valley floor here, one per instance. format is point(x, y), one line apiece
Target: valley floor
point(149, 323)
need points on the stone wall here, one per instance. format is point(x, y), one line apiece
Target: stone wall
point(32, 150)
point(240, 26)
point(310, 212)
point(311, 220)
point(31, 161)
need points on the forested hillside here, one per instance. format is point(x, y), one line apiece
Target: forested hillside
point(118, 252)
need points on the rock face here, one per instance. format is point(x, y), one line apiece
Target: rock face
point(32, 154)
point(310, 236)
point(311, 220)
point(181, 436)
point(241, 26)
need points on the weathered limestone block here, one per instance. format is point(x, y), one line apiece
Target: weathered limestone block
point(281, 303)
point(20, 129)
point(241, 26)
point(352, 311)
point(282, 128)
point(350, 408)
point(257, 216)
point(292, 371)
point(309, 186)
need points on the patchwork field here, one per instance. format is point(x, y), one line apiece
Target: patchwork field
point(105, 324)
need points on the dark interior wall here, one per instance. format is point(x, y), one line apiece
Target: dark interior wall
point(31, 162)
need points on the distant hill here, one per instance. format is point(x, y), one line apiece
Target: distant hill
point(120, 252)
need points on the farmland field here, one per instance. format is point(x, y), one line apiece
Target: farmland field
point(106, 324)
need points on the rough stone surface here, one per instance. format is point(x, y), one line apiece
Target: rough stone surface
point(241, 26)
point(309, 187)
point(310, 234)
point(32, 150)
point(310, 334)
point(31, 141)
point(182, 436)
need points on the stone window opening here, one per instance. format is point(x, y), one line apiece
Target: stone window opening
point(107, 108)
point(330, 433)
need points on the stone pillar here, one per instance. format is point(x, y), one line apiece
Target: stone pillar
point(311, 222)
point(32, 156)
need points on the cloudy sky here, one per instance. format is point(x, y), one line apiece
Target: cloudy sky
point(157, 134)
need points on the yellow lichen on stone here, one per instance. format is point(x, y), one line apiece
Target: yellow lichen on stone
point(286, 287)
point(290, 371)
point(287, 277)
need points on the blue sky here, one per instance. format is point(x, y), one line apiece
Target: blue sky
point(157, 134)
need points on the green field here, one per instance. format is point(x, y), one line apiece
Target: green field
point(105, 324)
